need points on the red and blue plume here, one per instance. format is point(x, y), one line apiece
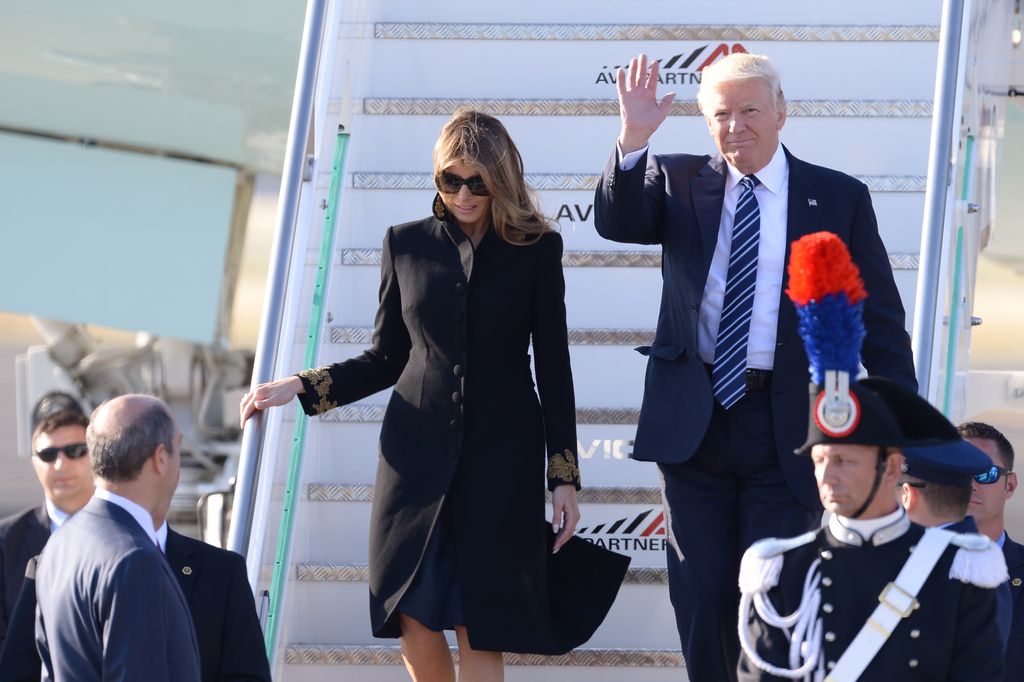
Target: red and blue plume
point(826, 288)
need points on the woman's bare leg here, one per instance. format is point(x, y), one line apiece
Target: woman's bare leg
point(478, 666)
point(425, 652)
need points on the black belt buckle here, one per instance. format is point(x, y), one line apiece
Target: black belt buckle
point(756, 379)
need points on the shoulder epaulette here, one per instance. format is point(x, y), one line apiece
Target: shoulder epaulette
point(762, 562)
point(978, 561)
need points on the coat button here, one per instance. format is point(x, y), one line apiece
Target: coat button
point(1015, 582)
point(457, 370)
point(912, 663)
point(915, 633)
point(826, 582)
point(827, 608)
point(830, 665)
point(456, 397)
point(459, 287)
point(830, 636)
point(826, 554)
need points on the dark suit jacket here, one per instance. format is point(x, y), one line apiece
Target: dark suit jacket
point(223, 611)
point(1004, 598)
point(1014, 554)
point(22, 537)
point(109, 606)
point(677, 202)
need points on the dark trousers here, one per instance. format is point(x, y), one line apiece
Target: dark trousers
point(730, 494)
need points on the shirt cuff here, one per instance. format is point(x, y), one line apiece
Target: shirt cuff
point(628, 161)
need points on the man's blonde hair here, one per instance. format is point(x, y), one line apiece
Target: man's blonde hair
point(740, 66)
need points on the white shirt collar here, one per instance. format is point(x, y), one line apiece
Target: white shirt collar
point(841, 527)
point(771, 176)
point(1002, 539)
point(57, 516)
point(141, 516)
point(161, 537)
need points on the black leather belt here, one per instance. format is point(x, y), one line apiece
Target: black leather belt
point(756, 379)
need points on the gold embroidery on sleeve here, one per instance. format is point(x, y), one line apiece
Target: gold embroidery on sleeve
point(564, 467)
point(321, 380)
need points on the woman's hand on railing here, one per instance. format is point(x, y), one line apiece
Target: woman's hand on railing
point(566, 514)
point(270, 394)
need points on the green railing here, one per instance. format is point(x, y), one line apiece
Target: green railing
point(956, 290)
point(313, 336)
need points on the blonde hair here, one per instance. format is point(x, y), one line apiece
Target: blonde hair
point(740, 66)
point(477, 139)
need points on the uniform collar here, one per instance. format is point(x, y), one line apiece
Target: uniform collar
point(879, 531)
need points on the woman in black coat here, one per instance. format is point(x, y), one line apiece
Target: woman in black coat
point(458, 535)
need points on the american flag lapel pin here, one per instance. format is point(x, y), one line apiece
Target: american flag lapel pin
point(812, 202)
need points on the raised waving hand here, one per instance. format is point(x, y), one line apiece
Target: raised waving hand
point(639, 108)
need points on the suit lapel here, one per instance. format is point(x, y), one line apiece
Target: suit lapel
point(707, 190)
point(38, 533)
point(1015, 566)
point(179, 556)
point(803, 216)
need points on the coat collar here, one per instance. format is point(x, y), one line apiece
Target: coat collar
point(492, 253)
point(803, 217)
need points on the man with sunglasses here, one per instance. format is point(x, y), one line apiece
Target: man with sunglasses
point(62, 467)
point(991, 491)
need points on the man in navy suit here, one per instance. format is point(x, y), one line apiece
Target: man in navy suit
point(991, 492)
point(60, 464)
point(725, 401)
point(109, 606)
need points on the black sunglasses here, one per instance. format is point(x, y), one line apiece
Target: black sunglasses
point(992, 475)
point(73, 451)
point(450, 183)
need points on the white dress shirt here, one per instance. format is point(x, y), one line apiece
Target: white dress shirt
point(772, 194)
point(56, 515)
point(141, 515)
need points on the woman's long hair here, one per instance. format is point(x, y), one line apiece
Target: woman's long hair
point(477, 139)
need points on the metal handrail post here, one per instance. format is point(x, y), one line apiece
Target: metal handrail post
point(940, 157)
point(266, 345)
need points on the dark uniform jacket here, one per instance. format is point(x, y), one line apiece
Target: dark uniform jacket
point(223, 613)
point(952, 636)
point(464, 426)
point(22, 537)
point(677, 202)
point(1013, 552)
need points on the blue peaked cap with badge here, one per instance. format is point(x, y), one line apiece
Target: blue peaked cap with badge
point(933, 449)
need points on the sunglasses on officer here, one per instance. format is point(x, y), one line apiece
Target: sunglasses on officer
point(992, 475)
point(72, 451)
point(450, 183)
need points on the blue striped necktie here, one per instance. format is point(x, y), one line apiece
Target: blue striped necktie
point(728, 377)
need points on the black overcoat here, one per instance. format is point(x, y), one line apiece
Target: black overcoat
point(464, 425)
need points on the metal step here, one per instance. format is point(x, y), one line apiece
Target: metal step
point(577, 337)
point(343, 492)
point(338, 654)
point(363, 413)
point(647, 32)
point(588, 181)
point(359, 573)
point(813, 108)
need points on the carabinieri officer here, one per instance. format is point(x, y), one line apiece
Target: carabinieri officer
point(870, 595)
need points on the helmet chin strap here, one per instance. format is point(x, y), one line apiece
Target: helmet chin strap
point(879, 470)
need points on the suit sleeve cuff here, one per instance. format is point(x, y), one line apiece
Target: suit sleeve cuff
point(316, 396)
point(628, 161)
point(563, 469)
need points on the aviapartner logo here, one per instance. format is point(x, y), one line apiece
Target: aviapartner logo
point(630, 534)
point(676, 70)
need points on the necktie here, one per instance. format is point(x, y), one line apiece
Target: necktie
point(728, 375)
